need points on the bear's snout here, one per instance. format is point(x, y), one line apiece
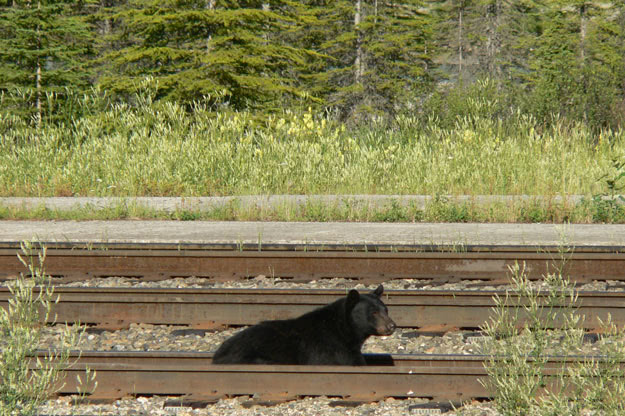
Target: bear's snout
point(385, 325)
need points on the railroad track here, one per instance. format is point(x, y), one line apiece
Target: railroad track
point(192, 376)
point(368, 263)
point(213, 308)
point(437, 377)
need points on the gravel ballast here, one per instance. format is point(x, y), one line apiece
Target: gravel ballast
point(245, 406)
point(264, 282)
point(144, 337)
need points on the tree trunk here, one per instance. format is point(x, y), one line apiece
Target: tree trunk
point(266, 7)
point(358, 70)
point(493, 42)
point(460, 42)
point(106, 27)
point(582, 34)
point(38, 76)
point(582, 56)
point(210, 5)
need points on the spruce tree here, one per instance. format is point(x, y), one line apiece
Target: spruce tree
point(395, 55)
point(377, 55)
point(216, 50)
point(44, 46)
point(458, 27)
point(576, 65)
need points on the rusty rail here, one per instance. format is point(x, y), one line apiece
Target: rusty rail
point(192, 374)
point(439, 377)
point(118, 307)
point(370, 263)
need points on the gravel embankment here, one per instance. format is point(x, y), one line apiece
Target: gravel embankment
point(144, 337)
point(243, 406)
point(336, 283)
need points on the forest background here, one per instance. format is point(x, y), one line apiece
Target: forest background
point(211, 97)
point(355, 59)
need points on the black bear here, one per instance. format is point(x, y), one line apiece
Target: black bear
point(330, 335)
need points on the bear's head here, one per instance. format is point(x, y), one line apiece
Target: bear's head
point(368, 313)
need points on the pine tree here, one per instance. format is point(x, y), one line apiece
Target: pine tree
point(459, 26)
point(377, 55)
point(577, 62)
point(553, 65)
point(220, 51)
point(305, 32)
point(395, 55)
point(603, 64)
point(44, 45)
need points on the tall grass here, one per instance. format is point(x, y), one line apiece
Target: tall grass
point(161, 149)
point(22, 388)
point(522, 334)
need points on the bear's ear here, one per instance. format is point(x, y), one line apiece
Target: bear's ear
point(378, 291)
point(352, 299)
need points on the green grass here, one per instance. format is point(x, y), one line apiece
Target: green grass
point(438, 209)
point(24, 386)
point(521, 337)
point(161, 150)
point(164, 150)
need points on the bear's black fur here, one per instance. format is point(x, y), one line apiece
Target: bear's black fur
point(331, 335)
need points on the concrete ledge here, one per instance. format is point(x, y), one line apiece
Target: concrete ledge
point(171, 204)
point(314, 233)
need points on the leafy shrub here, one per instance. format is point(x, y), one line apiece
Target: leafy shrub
point(522, 336)
point(23, 389)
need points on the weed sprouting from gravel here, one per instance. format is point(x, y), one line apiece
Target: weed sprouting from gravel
point(24, 388)
point(523, 380)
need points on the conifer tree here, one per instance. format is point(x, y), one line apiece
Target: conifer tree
point(218, 50)
point(377, 54)
point(308, 30)
point(576, 62)
point(602, 59)
point(458, 28)
point(396, 36)
point(44, 45)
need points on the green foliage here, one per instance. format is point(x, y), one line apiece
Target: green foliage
point(609, 205)
point(363, 61)
point(396, 56)
point(522, 338)
point(23, 389)
point(440, 210)
point(215, 51)
point(576, 65)
point(605, 210)
point(160, 149)
point(481, 99)
point(534, 213)
point(375, 56)
point(393, 213)
point(552, 59)
point(615, 179)
point(44, 46)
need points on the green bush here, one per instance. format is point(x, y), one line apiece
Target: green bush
point(522, 337)
point(23, 389)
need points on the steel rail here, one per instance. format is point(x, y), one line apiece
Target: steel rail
point(192, 374)
point(207, 308)
point(439, 377)
point(370, 263)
